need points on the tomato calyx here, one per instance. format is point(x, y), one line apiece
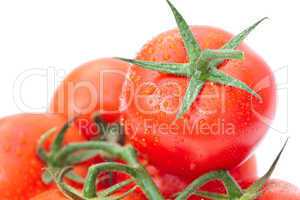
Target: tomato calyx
point(233, 189)
point(202, 66)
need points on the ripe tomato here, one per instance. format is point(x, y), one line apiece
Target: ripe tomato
point(278, 190)
point(223, 125)
point(53, 194)
point(93, 87)
point(20, 167)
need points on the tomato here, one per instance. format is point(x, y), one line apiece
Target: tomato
point(53, 194)
point(224, 123)
point(20, 167)
point(278, 190)
point(93, 87)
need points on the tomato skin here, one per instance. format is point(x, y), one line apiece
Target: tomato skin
point(227, 128)
point(278, 190)
point(92, 87)
point(53, 194)
point(20, 167)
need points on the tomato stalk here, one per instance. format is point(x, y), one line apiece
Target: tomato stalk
point(61, 156)
point(203, 63)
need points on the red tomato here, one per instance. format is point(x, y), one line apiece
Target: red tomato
point(93, 87)
point(279, 190)
point(20, 167)
point(53, 194)
point(223, 125)
point(57, 195)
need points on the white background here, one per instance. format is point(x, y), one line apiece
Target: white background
point(60, 35)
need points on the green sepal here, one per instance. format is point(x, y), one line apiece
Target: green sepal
point(170, 68)
point(217, 76)
point(238, 39)
point(194, 87)
point(190, 42)
point(221, 54)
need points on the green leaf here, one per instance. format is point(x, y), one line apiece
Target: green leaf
point(193, 90)
point(169, 68)
point(254, 191)
point(191, 44)
point(217, 76)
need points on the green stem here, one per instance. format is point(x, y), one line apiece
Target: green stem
point(210, 195)
point(90, 186)
point(194, 186)
point(233, 188)
point(134, 169)
point(109, 148)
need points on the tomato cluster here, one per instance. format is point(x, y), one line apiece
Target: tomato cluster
point(194, 104)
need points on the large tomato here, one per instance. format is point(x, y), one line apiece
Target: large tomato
point(20, 167)
point(224, 123)
point(278, 190)
point(94, 87)
point(55, 194)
